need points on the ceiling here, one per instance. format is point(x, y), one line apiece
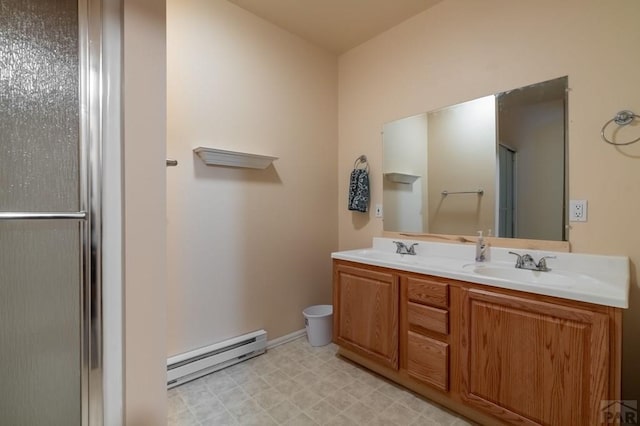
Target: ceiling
point(336, 25)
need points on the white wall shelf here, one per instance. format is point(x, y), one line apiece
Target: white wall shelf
point(221, 157)
point(401, 177)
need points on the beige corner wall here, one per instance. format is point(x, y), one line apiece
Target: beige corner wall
point(144, 132)
point(247, 249)
point(464, 49)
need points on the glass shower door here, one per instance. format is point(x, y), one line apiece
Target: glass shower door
point(45, 293)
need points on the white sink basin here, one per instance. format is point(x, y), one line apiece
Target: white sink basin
point(384, 256)
point(552, 278)
point(391, 259)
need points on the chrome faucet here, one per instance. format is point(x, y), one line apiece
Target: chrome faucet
point(525, 261)
point(401, 248)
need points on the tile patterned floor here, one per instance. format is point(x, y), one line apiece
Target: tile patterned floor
point(297, 384)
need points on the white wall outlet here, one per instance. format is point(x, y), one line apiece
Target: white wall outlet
point(578, 210)
point(378, 210)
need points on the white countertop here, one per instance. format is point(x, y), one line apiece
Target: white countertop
point(603, 280)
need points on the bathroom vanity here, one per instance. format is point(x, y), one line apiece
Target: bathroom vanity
point(494, 343)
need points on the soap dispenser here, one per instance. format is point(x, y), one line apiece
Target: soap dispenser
point(481, 248)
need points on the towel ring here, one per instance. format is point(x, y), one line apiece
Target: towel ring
point(361, 161)
point(622, 118)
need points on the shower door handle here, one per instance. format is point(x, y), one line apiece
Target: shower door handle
point(6, 216)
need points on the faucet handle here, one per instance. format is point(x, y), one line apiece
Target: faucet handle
point(519, 260)
point(524, 261)
point(542, 263)
point(401, 248)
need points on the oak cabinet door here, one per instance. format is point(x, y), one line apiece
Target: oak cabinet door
point(366, 313)
point(533, 362)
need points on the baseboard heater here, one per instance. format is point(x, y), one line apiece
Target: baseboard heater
point(191, 365)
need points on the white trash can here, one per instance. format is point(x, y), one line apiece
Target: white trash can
point(318, 321)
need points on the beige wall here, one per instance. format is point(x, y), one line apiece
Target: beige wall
point(247, 249)
point(462, 157)
point(463, 49)
point(144, 104)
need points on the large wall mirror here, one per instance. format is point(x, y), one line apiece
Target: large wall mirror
point(494, 163)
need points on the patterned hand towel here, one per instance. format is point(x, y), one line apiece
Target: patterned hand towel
point(359, 190)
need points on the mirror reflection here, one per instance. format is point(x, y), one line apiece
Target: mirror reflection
point(495, 164)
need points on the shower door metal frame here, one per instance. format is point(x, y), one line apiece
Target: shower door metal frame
point(89, 214)
point(91, 102)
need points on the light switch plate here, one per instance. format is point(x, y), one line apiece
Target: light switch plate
point(578, 210)
point(378, 210)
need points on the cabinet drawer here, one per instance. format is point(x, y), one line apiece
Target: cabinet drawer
point(429, 318)
point(428, 291)
point(428, 360)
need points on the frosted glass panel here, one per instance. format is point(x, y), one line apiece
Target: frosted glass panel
point(38, 105)
point(40, 351)
point(40, 323)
